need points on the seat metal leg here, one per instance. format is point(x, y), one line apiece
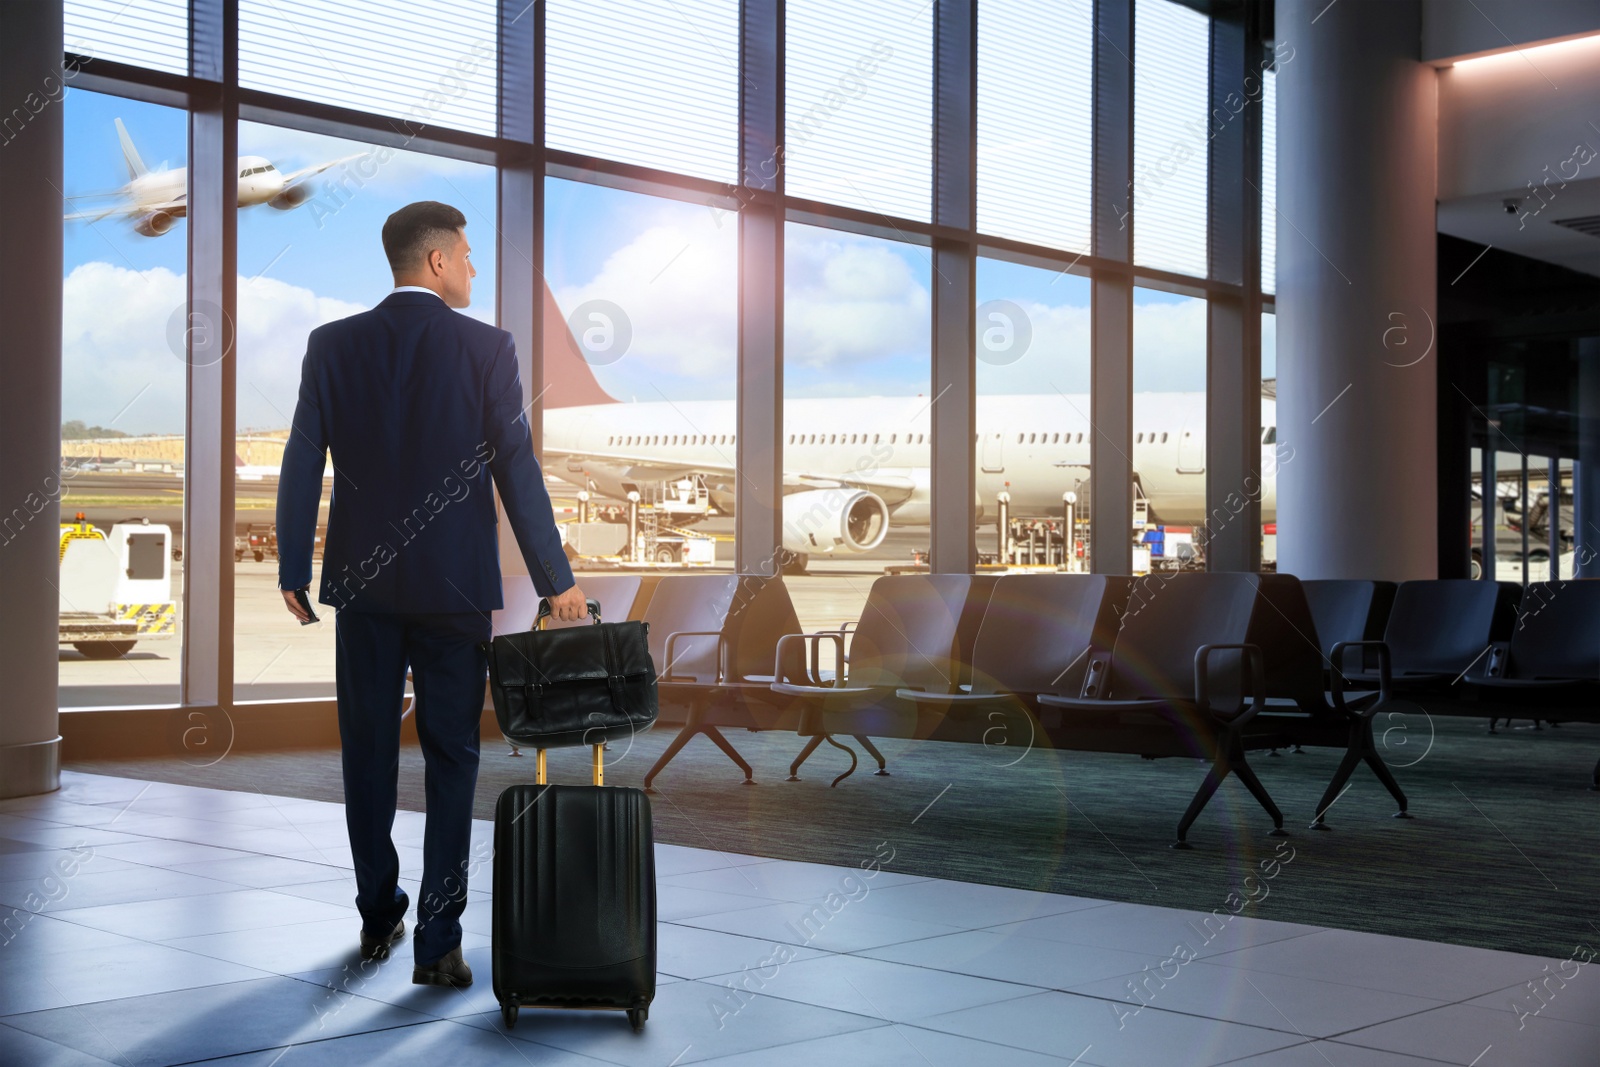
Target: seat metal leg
point(1214, 776)
point(693, 724)
point(805, 754)
point(872, 750)
point(1247, 775)
point(732, 753)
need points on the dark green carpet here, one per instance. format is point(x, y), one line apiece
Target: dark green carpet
point(1502, 853)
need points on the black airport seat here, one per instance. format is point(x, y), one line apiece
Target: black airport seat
point(909, 636)
point(1308, 701)
point(1438, 631)
point(1349, 609)
point(1550, 668)
point(1180, 679)
point(1036, 636)
point(713, 638)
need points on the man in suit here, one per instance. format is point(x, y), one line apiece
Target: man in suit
point(420, 406)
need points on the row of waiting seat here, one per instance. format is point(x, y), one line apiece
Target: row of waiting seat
point(1203, 665)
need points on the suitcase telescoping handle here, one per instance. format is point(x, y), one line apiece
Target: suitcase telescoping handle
point(600, 749)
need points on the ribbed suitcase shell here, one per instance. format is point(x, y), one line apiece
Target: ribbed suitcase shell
point(574, 898)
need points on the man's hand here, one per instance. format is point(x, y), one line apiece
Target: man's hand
point(569, 606)
point(294, 605)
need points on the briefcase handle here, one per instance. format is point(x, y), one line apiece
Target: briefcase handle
point(544, 612)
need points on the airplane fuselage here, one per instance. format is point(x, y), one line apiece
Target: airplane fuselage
point(1035, 447)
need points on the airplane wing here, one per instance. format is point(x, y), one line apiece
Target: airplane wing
point(178, 206)
point(295, 177)
point(894, 489)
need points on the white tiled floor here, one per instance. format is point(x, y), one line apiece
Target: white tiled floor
point(197, 925)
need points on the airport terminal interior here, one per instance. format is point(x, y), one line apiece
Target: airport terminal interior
point(1113, 488)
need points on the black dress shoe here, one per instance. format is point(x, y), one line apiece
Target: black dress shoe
point(377, 948)
point(450, 970)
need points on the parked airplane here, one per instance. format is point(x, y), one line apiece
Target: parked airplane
point(854, 465)
point(153, 200)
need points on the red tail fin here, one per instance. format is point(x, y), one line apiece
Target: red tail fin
point(569, 381)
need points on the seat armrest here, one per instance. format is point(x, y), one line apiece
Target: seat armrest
point(1252, 679)
point(813, 673)
point(672, 638)
point(1337, 679)
point(1495, 665)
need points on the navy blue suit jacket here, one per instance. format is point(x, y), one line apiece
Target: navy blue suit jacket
point(419, 406)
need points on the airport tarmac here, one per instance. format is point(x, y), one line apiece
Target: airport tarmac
point(275, 658)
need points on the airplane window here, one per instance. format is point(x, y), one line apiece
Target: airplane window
point(1272, 435)
point(919, 438)
point(1019, 438)
point(1138, 439)
point(1032, 439)
point(791, 439)
point(892, 437)
point(1080, 438)
point(1163, 437)
point(1056, 440)
point(877, 437)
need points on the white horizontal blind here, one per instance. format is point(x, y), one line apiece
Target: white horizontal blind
point(859, 103)
point(1035, 130)
point(146, 33)
point(1269, 182)
point(645, 82)
point(429, 62)
point(1171, 69)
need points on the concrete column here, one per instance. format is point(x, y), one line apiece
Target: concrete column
point(1357, 384)
point(31, 90)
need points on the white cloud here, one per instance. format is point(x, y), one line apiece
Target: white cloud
point(850, 300)
point(122, 347)
point(677, 284)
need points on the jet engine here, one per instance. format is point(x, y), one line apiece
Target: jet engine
point(834, 521)
point(154, 224)
point(291, 197)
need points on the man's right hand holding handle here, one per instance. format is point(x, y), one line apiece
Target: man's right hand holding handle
point(569, 606)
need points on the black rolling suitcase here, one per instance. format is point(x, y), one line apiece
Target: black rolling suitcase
point(574, 908)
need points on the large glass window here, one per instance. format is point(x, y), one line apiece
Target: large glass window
point(1171, 64)
point(646, 83)
point(857, 413)
point(308, 254)
point(859, 102)
point(640, 350)
point(1275, 453)
point(1269, 182)
point(146, 33)
point(1035, 130)
point(1169, 424)
point(429, 62)
point(123, 378)
point(1033, 429)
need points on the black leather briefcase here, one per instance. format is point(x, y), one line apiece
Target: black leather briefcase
point(580, 685)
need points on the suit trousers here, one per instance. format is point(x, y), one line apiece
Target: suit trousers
point(448, 671)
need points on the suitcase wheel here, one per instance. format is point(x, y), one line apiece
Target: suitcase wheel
point(508, 1012)
point(637, 1016)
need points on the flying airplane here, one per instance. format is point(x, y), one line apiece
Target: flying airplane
point(854, 465)
point(153, 200)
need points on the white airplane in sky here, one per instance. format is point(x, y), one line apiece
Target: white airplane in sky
point(153, 200)
point(855, 465)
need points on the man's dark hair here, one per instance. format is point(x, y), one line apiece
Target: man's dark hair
point(416, 229)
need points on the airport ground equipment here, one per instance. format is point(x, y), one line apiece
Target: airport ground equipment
point(574, 906)
point(1550, 666)
point(915, 632)
point(115, 590)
